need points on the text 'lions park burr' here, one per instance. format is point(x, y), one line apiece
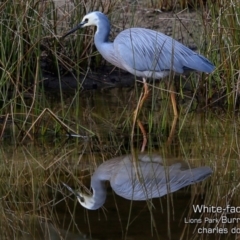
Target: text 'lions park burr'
point(151, 178)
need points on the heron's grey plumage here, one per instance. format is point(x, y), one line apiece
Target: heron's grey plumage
point(152, 178)
point(144, 52)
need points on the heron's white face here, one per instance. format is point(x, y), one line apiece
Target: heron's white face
point(91, 19)
point(90, 202)
point(88, 20)
point(85, 200)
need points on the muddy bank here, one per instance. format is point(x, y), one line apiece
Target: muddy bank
point(101, 79)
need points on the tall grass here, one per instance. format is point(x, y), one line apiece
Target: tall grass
point(30, 41)
point(224, 41)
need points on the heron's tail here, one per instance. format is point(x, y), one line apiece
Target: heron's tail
point(199, 63)
point(200, 173)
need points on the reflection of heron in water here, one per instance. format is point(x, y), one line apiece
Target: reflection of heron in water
point(152, 178)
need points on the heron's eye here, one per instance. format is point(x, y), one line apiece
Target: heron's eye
point(86, 20)
point(81, 199)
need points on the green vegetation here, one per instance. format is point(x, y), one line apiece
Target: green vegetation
point(32, 52)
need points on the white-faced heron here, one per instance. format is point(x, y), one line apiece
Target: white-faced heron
point(144, 53)
point(150, 178)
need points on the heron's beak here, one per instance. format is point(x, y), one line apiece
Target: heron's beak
point(74, 192)
point(70, 189)
point(80, 25)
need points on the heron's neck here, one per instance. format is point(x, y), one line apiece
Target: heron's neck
point(102, 34)
point(98, 179)
point(98, 197)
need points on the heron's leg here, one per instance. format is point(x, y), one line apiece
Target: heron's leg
point(173, 100)
point(145, 92)
point(141, 100)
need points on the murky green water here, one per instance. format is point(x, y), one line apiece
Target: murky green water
point(35, 205)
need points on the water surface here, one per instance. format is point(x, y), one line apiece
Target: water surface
point(35, 205)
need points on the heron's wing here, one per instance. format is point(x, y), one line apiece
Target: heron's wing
point(154, 180)
point(147, 50)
